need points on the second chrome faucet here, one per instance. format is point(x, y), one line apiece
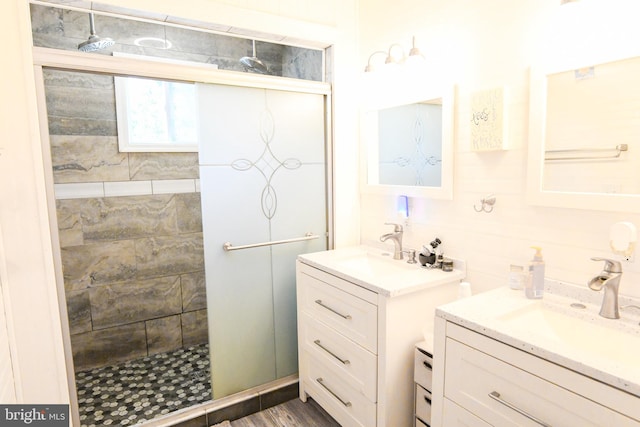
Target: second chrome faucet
point(609, 279)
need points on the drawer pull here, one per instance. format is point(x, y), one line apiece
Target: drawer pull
point(344, 316)
point(427, 365)
point(496, 396)
point(347, 404)
point(427, 400)
point(343, 361)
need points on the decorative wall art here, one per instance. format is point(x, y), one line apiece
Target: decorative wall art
point(488, 121)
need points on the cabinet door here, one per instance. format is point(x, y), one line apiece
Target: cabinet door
point(455, 416)
point(505, 395)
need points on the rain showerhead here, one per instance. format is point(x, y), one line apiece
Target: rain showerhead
point(253, 64)
point(95, 42)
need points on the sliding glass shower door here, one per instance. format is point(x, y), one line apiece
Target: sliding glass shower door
point(263, 181)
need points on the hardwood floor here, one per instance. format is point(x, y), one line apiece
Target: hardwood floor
point(289, 414)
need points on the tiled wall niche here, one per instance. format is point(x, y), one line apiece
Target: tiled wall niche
point(133, 265)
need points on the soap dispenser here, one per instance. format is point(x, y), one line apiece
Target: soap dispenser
point(534, 286)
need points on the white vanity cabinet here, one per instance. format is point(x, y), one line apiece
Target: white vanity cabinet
point(480, 381)
point(356, 343)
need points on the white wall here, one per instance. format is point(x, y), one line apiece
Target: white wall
point(26, 261)
point(482, 45)
point(7, 383)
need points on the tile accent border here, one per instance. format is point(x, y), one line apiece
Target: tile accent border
point(125, 188)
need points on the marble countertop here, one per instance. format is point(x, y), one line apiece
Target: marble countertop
point(611, 362)
point(375, 269)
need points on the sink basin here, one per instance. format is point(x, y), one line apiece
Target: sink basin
point(375, 269)
point(586, 335)
point(555, 329)
point(376, 263)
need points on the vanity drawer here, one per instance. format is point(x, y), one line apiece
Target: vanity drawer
point(347, 405)
point(423, 369)
point(455, 416)
point(355, 365)
point(423, 404)
point(502, 394)
point(351, 316)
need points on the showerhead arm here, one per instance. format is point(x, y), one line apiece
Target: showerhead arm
point(92, 24)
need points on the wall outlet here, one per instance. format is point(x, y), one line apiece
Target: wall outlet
point(406, 222)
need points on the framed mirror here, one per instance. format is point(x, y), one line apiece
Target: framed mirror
point(407, 145)
point(584, 150)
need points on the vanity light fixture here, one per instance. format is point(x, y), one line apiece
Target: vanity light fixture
point(371, 67)
point(393, 57)
point(414, 50)
point(396, 55)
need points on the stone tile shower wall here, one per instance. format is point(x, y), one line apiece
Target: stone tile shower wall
point(134, 265)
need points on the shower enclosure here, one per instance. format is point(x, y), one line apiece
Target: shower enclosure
point(130, 224)
point(263, 186)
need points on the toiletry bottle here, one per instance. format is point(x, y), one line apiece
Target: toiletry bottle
point(535, 281)
point(516, 277)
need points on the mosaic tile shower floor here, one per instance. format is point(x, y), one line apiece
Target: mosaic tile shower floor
point(142, 389)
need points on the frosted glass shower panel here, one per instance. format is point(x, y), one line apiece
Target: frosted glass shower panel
point(239, 291)
point(289, 124)
point(262, 171)
point(301, 207)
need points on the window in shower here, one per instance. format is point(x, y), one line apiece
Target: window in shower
point(156, 115)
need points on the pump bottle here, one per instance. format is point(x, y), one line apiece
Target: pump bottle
point(534, 287)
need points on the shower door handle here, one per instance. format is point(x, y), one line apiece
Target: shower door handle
point(227, 246)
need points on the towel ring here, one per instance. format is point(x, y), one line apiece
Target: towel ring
point(486, 204)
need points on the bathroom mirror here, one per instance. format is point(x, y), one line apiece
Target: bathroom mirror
point(407, 147)
point(583, 146)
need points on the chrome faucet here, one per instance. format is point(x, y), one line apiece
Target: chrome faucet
point(396, 236)
point(609, 279)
